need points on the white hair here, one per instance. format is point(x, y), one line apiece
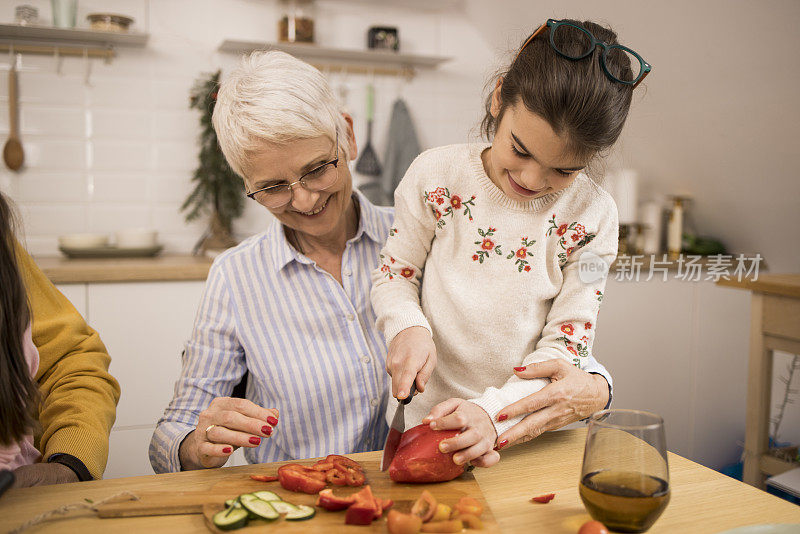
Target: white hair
point(274, 97)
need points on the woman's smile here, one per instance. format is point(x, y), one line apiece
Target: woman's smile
point(316, 211)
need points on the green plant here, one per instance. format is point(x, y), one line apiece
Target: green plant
point(218, 191)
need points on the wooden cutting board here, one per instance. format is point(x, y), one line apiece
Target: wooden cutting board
point(382, 486)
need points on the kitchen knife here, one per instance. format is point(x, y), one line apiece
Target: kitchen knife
point(396, 430)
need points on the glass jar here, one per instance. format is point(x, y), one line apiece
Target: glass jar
point(296, 23)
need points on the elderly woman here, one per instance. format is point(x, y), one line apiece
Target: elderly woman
point(291, 305)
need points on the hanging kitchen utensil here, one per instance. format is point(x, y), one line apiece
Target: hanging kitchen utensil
point(368, 163)
point(13, 154)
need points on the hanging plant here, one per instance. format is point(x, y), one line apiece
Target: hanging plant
point(218, 191)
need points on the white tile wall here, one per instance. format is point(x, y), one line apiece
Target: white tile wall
point(120, 151)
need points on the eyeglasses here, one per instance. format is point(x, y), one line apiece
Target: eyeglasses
point(317, 179)
point(582, 43)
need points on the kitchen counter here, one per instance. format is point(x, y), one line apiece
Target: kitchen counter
point(702, 500)
point(62, 270)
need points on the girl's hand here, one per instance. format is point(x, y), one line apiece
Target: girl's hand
point(227, 424)
point(412, 354)
point(475, 443)
point(571, 395)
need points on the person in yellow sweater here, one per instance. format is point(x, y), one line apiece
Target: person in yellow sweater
point(77, 400)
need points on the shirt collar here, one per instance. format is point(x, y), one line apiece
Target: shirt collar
point(368, 224)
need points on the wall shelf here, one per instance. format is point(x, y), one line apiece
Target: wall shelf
point(66, 41)
point(339, 59)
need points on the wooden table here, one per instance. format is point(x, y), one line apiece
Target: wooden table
point(702, 500)
point(774, 325)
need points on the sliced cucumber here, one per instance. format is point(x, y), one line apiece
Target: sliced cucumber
point(301, 513)
point(283, 507)
point(230, 519)
point(232, 502)
point(262, 509)
point(267, 496)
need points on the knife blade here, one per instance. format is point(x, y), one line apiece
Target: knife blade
point(396, 430)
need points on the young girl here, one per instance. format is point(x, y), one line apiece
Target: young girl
point(19, 359)
point(498, 232)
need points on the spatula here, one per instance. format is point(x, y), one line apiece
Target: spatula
point(368, 163)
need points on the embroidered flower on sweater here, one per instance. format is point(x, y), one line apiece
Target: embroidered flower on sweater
point(393, 232)
point(449, 204)
point(487, 245)
point(522, 254)
point(573, 233)
point(599, 295)
point(578, 347)
point(390, 272)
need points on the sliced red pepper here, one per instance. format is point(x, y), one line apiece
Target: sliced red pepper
point(322, 466)
point(295, 477)
point(264, 478)
point(335, 477)
point(355, 478)
point(344, 460)
point(544, 499)
point(360, 513)
point(332, 503)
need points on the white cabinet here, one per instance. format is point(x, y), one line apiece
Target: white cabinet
point(144, 326)
point(680, 349)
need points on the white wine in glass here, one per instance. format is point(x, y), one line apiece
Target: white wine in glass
point(625, 477)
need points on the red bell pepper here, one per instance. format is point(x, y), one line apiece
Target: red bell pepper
point(544, 499)
point(418, 458)
point(296, 477)
point(333, 503)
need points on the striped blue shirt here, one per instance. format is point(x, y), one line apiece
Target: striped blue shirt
point(310, 345)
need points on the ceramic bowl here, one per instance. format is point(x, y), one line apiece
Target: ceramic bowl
point(82, 241)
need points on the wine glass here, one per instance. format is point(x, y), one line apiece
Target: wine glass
point(625, 478)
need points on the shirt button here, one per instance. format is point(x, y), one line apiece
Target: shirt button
point(365, 359)
point(347, 272)
point(350, 317)
point(374, 402)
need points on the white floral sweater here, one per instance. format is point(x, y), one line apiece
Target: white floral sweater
point(495, 280)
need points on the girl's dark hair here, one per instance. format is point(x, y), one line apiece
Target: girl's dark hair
point(575, 97)
point(19, 395)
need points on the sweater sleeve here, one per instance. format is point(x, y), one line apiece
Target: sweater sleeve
point(396, 282)
point(213, 363)
point(571, 322)
point(79, 396)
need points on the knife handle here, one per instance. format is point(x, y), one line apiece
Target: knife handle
point(410, 393)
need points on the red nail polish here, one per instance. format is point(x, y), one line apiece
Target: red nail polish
point(271, 420)
point(502, 417)
point(255, 440)
point(266, 429)
point(519, 369)
point(227, 450)
point(502, 444)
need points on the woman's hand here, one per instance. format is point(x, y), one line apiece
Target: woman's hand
point(475, 443)
point(43, 474)
point(412, 354)
point(227, 424)
point(571, 395)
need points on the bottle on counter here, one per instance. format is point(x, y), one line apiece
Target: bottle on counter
point(675, 228)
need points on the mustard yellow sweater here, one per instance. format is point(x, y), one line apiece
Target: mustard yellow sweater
point(79, 396)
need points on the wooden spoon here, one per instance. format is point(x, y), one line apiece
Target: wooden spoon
point(12, 152)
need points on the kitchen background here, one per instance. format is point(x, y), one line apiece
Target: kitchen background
point(111, 146)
